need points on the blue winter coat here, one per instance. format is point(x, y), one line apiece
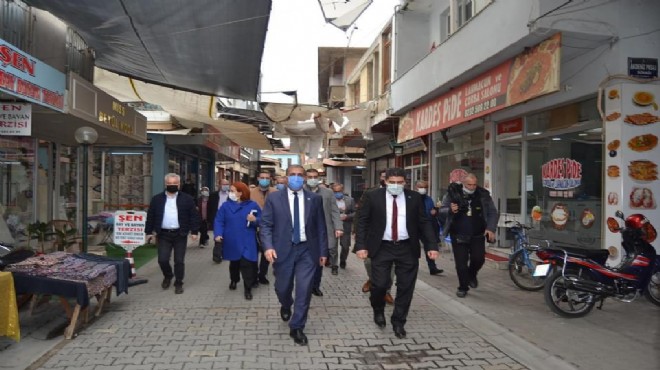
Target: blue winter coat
point(239, 238)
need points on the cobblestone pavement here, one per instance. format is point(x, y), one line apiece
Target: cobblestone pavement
point(211, 327)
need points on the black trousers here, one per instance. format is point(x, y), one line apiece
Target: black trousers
point(168, 242)
point(203, 232)
point(246, 268)
point(469, 258)
point(406, 266)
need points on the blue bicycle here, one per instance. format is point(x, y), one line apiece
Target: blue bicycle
point(522, 261)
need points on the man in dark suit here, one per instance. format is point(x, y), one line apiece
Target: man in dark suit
point(216, 199)
point(171, 217)
point(294, 239)
point(346, 207)
point(390, 224)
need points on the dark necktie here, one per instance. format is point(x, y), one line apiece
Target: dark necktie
point(395, 225)
point(296, 218)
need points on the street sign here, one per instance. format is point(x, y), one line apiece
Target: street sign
point(643, 67)
point(129, 229)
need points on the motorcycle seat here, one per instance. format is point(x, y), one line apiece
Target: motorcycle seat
point(594, 254)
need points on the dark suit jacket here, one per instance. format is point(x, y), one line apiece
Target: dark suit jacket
point(212, 206)
point(276, 229)
point(372, 218)
point(186, 209)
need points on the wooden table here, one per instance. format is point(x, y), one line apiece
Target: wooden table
point(9, 325)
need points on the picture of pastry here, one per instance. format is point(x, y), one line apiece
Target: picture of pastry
point(587, 218)
point(612, 198)
point(642, 143)
point(613, 225)
point(559, 216)
point(613, 145)
point(642, 198)
point(613, 116)
point(487, 154)
point(613, 94)
point(641, 119)
point(643, 98)
point(487, 169)
point(537, 213)
point(613, 171)
point(642, 170)
point(487, 184)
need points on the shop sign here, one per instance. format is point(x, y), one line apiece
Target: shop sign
point(15, 119)
point(219, 143)
point(513, 126)
point(128, 229)
point(414, 146)
point(643, 67)
point(562, 174)
point(29, 78)
point(529, 75)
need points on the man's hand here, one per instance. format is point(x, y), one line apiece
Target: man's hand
point(322, 261)
point(454, 207)
point(490, 236)
point(433, 212)
point(342, 217)
point(194, 236)
point(433, 254)
point(150, 238)
point(270, 255)
point(362, 254)
point(339, 233)
point(218, 238)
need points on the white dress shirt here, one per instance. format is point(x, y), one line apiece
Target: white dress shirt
point(301, 209)
point(171, 215)
point(401, 216)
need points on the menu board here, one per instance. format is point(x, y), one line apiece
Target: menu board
point(632, 128)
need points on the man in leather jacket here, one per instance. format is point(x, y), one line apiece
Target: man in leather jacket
point(470, 221)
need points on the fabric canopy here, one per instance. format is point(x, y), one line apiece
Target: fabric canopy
point(342, 14)
point(211, 47)
point(192, 110)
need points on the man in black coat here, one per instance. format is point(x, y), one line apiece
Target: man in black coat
point(171, 217)
point(390, 224)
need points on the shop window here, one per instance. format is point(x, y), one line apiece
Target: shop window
point(387, 55)
point(16, 192)
point(562, 117)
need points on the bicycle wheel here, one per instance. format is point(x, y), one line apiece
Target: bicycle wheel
point(521, 274)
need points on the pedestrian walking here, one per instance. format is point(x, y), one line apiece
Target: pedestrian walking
point(390, 225)
point(235, 227)
point(470, 217)
point(171, 217)
point(259, 194)
point(202, 208)
point(346, 206)
point(293, 235)
point(422, 187)
point(216, 200)
point(334, 226)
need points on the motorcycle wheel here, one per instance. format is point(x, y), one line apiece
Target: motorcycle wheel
point(652, 290)
point(521, 275)
point(567, 302)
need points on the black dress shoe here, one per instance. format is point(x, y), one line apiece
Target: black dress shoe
point(264, 281)
point(474, 283)
point(248, 295)
point(166, 283)
point(379, 319)
point(317, 292)
point(437, 271)
point(461, 293)
point(178, 289)
point(399, 331)
point(232, 285)
point(255, 284)
point(285, 313)
point(342, 264)
point(298, 337)
point(335, 270)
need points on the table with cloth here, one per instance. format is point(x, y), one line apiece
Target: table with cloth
point(76, 276)
point(9, 325)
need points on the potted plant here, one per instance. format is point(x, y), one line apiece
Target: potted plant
point(65, 237)
point(40, 231)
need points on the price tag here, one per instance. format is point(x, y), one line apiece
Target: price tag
point(542, 270)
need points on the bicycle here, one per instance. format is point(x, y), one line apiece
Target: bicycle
point(521, 261)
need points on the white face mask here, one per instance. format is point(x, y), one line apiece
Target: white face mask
point(395, 189)
point(205, 193)
point(421, 191)
point(233, 196)
point(313, 182)
point(468, 191)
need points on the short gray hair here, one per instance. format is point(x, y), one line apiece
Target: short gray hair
point(295, 166)
point(173, 175)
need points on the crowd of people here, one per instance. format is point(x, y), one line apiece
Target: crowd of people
point(299, 225)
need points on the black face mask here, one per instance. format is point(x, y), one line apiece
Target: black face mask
point(172, 188)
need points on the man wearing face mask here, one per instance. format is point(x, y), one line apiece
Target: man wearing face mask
point(390, 225)
point(281, 183)
point(422, 187)
point(259, 195)
point(171, 217)
point(469, 227)
point(346, 207)
point(216, 199)
point(334, 225)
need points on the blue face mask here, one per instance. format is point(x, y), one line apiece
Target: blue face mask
point(295, 183)
point(339, 195)
point(264, 183)
point(225, 188)
point(280, 186)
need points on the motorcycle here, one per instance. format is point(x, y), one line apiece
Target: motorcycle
point(581, 279)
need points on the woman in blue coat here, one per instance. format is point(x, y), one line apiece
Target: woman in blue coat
point(235, 226)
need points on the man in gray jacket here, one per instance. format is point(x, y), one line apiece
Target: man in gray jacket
point(470, 218)
point(346, 206)
point(333, 225)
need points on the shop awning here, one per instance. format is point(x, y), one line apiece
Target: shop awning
point(342, 14)
point(211, 47)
